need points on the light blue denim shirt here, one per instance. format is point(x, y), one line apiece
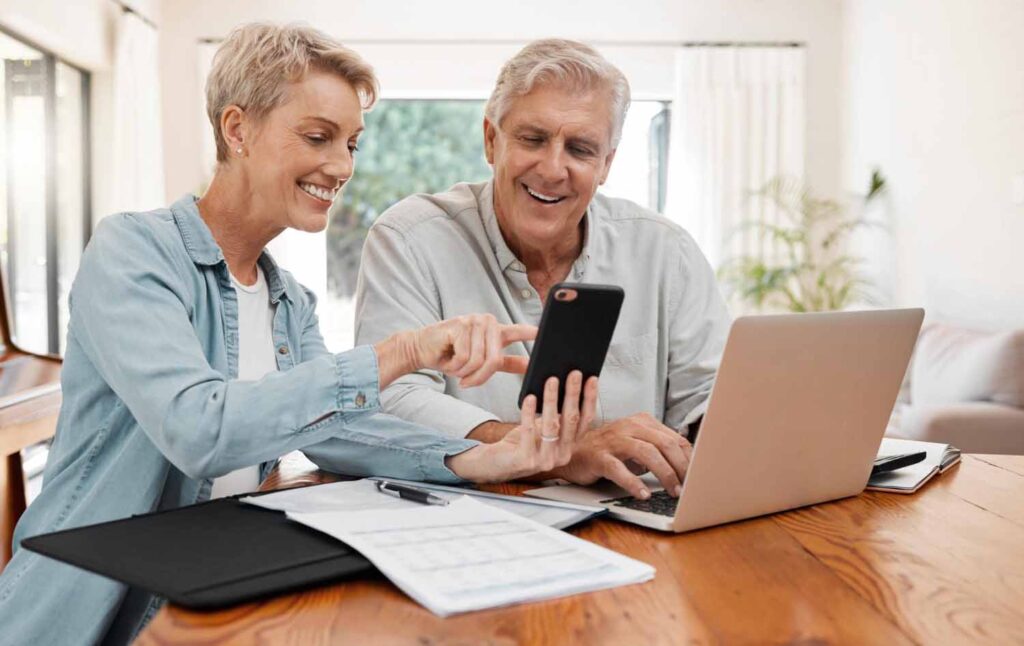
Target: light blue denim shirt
point(152, 414)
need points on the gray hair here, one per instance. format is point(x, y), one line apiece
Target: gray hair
point(253, 66)
point(564, 63)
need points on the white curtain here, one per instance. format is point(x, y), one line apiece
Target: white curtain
point(138, 180)
point(737, 121)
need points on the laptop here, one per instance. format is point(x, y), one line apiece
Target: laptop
point(795, 418)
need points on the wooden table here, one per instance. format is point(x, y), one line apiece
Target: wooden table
point(30, 399)
point(943, 566)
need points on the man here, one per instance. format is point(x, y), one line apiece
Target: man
point(551, 128)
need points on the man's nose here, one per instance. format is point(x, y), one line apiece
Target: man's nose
point(552, 166)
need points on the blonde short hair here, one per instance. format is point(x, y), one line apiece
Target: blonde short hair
point(255, 63)
point(562, 63)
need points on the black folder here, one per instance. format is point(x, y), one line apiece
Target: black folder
point(206, 556)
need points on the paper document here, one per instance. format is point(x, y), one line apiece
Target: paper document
point(469, 556)
point(357, 495)
point(351, 495)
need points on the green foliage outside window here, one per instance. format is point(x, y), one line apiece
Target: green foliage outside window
point(408, 147)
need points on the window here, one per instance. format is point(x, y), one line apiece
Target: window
point(425, 146)
point(44, 201)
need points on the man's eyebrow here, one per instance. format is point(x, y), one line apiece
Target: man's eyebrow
point(528, 128)
point(586, 141)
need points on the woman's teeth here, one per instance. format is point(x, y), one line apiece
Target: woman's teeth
point(550, 199)
point(318, 192)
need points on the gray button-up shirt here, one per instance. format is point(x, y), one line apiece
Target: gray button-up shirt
point(432, 257)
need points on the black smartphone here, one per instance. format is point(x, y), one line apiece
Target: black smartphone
point(575, 330)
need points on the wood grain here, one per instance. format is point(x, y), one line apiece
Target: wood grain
point(936, 567)
point(30, 400)
point(943, 569)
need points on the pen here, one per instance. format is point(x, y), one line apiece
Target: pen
point(409, 493)
point(893, 462)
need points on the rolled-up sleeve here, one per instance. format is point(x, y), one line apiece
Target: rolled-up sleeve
point(698, 327)
point(131, 318)
point(396, 292)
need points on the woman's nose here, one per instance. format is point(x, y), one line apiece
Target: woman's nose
point(340, 165)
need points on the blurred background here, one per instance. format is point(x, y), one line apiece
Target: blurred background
point(826, 154)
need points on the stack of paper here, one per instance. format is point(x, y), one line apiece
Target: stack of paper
point(357, 495)
point(469, 555)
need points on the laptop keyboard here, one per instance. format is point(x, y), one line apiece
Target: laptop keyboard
point(660, 503)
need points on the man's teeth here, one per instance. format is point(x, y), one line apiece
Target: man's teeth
point(318, 191)
point(541, 196)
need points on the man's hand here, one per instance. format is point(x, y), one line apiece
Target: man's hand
point(611, 450)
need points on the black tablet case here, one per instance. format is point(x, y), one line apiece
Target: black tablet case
point(205, 556)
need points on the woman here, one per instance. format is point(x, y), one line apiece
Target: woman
point(193, 362)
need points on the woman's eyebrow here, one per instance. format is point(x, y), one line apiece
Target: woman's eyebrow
point(323, 120)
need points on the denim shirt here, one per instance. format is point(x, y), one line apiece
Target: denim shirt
point(152, 413)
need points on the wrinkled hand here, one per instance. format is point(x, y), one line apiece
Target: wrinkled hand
point(538, 444)
point(611, 450)
point(470, 347)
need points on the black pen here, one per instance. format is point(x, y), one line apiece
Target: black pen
point(892, 462)
point(409, 493)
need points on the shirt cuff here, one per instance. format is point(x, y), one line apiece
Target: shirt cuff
point(358, 380)
point(432, 464)
point(693, 415)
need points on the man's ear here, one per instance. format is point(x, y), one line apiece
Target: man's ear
point(608, 165)
point(490, 132)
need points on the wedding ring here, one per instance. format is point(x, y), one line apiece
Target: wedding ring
point(548, 438)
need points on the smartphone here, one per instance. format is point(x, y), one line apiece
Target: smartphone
point(576, 328)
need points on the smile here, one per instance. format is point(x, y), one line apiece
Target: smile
point(540, 197)
point(319, 192)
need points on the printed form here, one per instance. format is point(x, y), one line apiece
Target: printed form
point(470, 556)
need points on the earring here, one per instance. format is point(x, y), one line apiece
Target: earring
point(238, 150)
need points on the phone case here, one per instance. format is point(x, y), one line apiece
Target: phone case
point(573, 335)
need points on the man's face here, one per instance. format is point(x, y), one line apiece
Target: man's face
point(302, 152)
point(550, 154)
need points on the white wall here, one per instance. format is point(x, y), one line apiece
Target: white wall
point(412, 45)
point(934, 95)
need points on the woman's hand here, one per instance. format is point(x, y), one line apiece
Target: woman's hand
point(540, 443)
point(468, 347)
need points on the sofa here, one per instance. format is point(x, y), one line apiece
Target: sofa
point(965, 387)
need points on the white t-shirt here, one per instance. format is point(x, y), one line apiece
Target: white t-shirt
point(255, 359)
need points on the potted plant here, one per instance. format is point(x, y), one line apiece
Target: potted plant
point(810, 268)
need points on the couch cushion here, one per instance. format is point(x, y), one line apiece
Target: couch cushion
point(953, 364)
point(972, 427)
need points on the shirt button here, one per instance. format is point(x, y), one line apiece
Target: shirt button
point(282, 350)
point(526, 293)
point(360, 400)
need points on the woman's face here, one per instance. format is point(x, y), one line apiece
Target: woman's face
point(301, 154)
point(550, 154)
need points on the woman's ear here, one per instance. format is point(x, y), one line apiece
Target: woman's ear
point(234, 129)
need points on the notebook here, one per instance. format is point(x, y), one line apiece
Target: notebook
point(940, 458)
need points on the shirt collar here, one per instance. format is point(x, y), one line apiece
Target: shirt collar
point(204, 250)
point(500, 247)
